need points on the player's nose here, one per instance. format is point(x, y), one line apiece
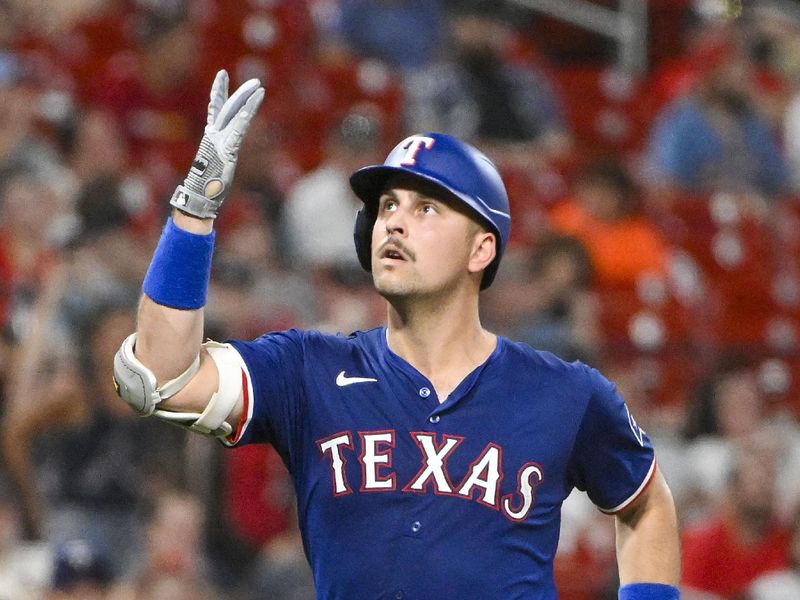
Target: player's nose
point(396, 222)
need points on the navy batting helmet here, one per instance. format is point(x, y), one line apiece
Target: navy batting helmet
point(457, 168)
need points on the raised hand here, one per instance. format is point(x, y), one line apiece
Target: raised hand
point(211, 175)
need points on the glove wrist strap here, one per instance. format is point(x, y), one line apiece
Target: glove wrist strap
point(194, 204)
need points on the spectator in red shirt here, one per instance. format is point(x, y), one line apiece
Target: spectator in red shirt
point(743, 540)
point(154, 95)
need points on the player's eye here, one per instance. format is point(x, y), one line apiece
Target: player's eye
point(429, 209)
point(388, 204)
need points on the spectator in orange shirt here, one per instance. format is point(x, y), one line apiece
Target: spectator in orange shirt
point(603, 214)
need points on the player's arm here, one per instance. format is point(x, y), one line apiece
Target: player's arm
point(164, 369)
point(169, 341)
point(648, 554)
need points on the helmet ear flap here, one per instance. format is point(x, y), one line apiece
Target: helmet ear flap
point(362, 236)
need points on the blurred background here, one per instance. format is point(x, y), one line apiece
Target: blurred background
point(652, 156)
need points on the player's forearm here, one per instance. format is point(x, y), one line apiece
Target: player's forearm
point(647, 538)
point(192, 224)
point(169, 339)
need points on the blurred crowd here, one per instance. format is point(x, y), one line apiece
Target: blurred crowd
point(656, 236)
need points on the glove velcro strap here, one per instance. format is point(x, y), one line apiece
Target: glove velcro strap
point(187, 420)
point(223, 401)
point(211, 421)
point(194, 204)
point(173, 386)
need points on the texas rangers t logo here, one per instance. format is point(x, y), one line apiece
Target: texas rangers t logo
point(412, 145)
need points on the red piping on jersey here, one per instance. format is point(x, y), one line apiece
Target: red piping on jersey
point(245, 410)
point(631, 501)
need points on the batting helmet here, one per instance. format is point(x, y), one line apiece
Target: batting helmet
point(457, 168)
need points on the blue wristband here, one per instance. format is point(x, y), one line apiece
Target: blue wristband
point(649, 591)
point(181, 267)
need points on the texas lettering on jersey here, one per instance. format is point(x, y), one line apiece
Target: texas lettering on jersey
point(480, 483)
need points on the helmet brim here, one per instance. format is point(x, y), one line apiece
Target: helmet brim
point(369, 183)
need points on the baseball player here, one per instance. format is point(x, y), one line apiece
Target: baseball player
point(430, 457)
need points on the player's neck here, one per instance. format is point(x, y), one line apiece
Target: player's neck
point(443, 340)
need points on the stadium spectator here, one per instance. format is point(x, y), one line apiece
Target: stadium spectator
point(405, 33)
point(173, 565)
point(715, 136)
point(80, 572)
point(80, 468)
point(95, 147)
point(22, 147)
point(320, 208)
point(30, 215)
point(257, 498)
point(549, 304)
point(478, 93)
point(9, 63)
point(268, 171)
point(604, 214)
point(100, 253)
point(727, 409)
point(24, 565)
point(778, 25)
point(729, 413)
point(282, 569)
point(251, 282)
point(258, 502)
point(153, 94)
point(743, 539)
point(783, 584)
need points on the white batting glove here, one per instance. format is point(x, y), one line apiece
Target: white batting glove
point(211, 175)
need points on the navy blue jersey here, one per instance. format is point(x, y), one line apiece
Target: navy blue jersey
point(401, 496)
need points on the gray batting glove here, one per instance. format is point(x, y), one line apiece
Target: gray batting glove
point(211, 175)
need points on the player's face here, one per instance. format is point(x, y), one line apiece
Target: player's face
point(423, 244)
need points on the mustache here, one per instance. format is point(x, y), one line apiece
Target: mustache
point(397, 245)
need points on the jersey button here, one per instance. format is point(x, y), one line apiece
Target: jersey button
point(416, 526)
point(435, 419)
point(424, 392)
point(399, 595)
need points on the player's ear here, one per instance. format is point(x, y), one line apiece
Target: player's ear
point(484, 249)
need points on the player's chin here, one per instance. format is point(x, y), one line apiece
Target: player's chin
point(391, 284)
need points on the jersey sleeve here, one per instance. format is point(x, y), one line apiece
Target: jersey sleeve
point(272, 387)
point(613, 459)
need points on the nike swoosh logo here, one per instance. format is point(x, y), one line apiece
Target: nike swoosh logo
point(342, 380)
